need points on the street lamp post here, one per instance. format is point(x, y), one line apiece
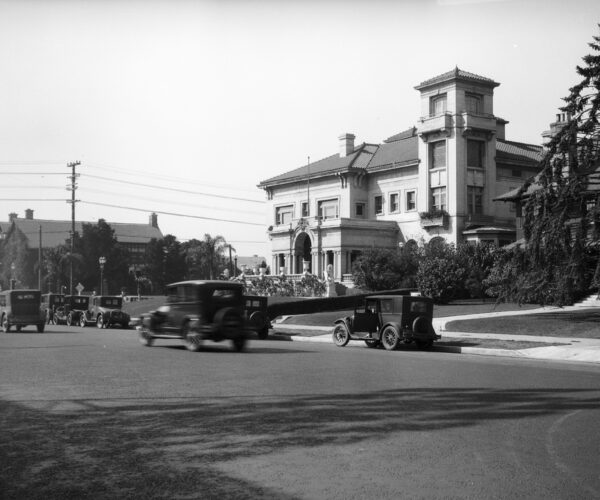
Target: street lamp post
point(12, 276)
point(102, 261)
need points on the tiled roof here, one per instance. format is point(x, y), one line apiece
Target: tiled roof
point(56, 232)
point(455, 74)
point(507, 151)
point(411, 132)
point(396, 152)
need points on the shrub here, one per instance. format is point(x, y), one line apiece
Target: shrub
point(382, 269)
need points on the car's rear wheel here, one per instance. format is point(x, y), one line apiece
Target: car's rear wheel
point(340, 335)
point(229, 322)
point(390, 338)
point(372, 343)
point(239, 343)
point(192, 340)
point(145, 338)
point(40, 327)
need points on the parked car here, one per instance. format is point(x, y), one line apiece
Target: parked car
point(21, 308)
point(51, 303)
point(70, 313)
point(388, 320)
point(196, 311)
point(255, 313)
point(105, 311)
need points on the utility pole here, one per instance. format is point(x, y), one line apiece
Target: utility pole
point(72, 201)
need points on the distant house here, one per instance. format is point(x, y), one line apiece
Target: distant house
point(133, 237)
point(249, 263)
point(435, 180)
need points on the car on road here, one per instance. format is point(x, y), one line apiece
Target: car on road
point(74, 307)
point(255, 313)
point(52, 303)
point(389, 320)
point(21, 308)
point(105, 312)
point(196, 311)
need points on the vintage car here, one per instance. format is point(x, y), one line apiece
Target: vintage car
point(105, 311)
point(388, 320)
point(255, 312)
point(74, 307)
point(21, 308)
point(52, 303)
point(196, 311)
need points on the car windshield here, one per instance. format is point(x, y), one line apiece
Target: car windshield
point(371, 306)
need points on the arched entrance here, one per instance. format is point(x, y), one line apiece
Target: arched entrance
point(303, 252)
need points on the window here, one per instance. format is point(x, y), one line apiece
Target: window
point(394, 203)
point(304, 209)
point(283, 215)
point(437, 105)
point(473, 103)
point(378, 205)
point(438, 196)
point(411, 200)
point(329, 209)
point(359, 210)
point(475, 153)
point(475, 200)
point(437, 152)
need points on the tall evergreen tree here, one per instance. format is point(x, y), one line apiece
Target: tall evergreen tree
point(562, 211)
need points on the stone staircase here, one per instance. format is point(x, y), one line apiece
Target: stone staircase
point(592, 301)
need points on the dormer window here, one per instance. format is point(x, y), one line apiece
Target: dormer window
point(438, 105)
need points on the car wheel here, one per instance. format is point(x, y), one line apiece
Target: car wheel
point(340, 335)
point(239, 343)
point(125, 325)
point(100, 321)
point(145, 338)
point(82, 321)
point(263, 333)
point(420, 325)
point(192, 340)
point(390, 338)
point(48, 317)
point(69, 320)
point(40, 327)
point(5, 324)
point(424, 344)
point(229, 322)
point(372, 343)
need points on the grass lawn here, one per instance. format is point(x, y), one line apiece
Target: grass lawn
point(582, 323)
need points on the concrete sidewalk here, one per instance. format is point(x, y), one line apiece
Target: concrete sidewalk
point(572, 349)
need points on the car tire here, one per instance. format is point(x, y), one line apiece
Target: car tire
point(229, 322)
point(340, 335)
point(82, 321)
point(420, 325)
point(263, 333)
point(40, 327)
point(239, 343)
point(390, 338)
point(100, 321)
point(145, 337)
point(69, 320)
point(372, 343)
point(192, 340)
point(48, 317)
point(5, 324)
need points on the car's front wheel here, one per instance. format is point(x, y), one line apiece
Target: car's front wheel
point(82, 321)
point(390, 338)
point(69, 320)
point(341, 335)
point(145, 337)
point(100, 321)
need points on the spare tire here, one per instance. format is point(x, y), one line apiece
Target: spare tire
point(420, 325)
point(229, 322)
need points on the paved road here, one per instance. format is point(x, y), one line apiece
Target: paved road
point(92, 412)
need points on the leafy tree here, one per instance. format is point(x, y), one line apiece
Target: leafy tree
point(15, 253)
point(165, 263)
point(54, 267)
point(384, 269)
point(440, 274)
point(562, 209)
point(477, 261)
point(205, 258)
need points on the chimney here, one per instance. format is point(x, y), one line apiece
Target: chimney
point(501, 128)
point(346, 144)
point(29, 214)
point(153, 220)
point(12, 216)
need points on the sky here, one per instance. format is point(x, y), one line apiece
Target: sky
point(183, 107)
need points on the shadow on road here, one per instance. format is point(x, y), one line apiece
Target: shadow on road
point(171, 448)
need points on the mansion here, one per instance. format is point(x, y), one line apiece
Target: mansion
point(438, 179)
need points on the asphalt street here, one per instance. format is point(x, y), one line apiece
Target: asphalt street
point(289, 420)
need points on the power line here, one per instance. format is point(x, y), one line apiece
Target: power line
point(173, 189)
point(172, 213)
point(31, 173)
